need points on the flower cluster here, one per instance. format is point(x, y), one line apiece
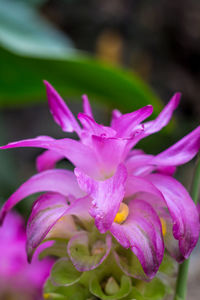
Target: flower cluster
point(131, 197)
point(18, 279)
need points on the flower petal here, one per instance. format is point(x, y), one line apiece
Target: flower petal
point(80, 155)
point(61, 181)
point(164, 117)
point(182, 210)
point(126, 124)
point(60, 111)
point(107, 196)
point(92, 127)
point(142, 232)
point(86, 106)
point(47, 160)
point(110, 153)
point(51, 218)
point(80, 254)
point(181, 152)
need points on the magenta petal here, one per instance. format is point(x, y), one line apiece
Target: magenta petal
point(61, 113)
point(94, 128)
point(86, 106)
point(92, 256)
point(182, 210)
point(107, 196)
point(47, 160)
point(46, 211)
point(164, 117)
point(181, 152)
point(61, 181)
point(126, 124)
point(142, 233)
point(52, 215)
point(80, 155)
point(115, 115)
point(110, 153)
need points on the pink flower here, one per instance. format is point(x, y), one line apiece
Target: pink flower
point(17, 277)
point(129, 194)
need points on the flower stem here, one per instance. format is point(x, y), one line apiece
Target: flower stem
point(181, 284)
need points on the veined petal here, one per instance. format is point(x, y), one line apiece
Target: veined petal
point(60, 111)
point(181, 152)
point(94, 128)
point(107, 196)
point(51, 218)
point(142, 232)
point(110, 153)
point(86, 106)
point(182, 210)
point(126, 124)
point(60, 181)
point(80, 155)
point(164, 117)
point(47, 160)
point(142, 164)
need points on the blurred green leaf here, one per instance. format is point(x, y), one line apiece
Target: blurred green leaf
point(46, 53)
point(64, 273)
point(76, 291)
point(154, 290)
point(21, 82)
point(24, 31)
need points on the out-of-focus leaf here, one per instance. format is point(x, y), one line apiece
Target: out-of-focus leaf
point(21, 82)
point(24, 31)
point(46, 53)
point(76, 291)
point(63, 273)
point(35, 2)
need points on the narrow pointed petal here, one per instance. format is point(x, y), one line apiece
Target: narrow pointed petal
point(181, 152)
point(60, 111)
point(80, 155)
point(83, 256)
point(47, 160)
point(107, 196)
point(182, 210)
point(86, 106)
point(164, 117)
point(51, 218)
point(126, 124)
point(115, 115)
point(142, 233)
point(142, 164)
point(61, 181)
point(94, 128)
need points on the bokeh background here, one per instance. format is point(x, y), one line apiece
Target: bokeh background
point(123, 54)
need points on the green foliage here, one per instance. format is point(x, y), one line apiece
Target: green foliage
point(76, 291)
point(64, 273)
point(71, 77)
point(124, 289)
point(58, 249)
point(23, 31)
point(46, 53)
point(153, 290)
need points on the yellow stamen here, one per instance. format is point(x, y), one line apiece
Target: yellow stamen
point(164, 226)
point(46, 296)
point(122, 214)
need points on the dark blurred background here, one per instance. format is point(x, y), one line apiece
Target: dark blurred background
point(158, 42)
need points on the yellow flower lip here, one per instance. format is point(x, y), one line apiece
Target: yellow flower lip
point(164, 226)
point(122, 214)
